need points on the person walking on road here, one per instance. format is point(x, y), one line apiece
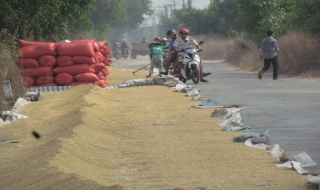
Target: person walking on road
point(270, 48)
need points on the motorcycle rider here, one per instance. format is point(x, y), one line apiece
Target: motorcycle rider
point(116, 48)
point(124, 48)
point(164, 41)
point(185, 42)
point(172, 34)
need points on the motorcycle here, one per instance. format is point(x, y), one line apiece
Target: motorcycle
point(117, 53)
point(125, 52)
point(190, 66)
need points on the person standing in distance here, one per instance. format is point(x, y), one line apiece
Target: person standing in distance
point(270, 48)
point(144, 41)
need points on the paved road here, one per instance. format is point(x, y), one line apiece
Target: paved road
point(288, 107)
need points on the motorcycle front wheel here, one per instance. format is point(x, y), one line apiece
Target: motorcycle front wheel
point(196, 75)
point(182, 79)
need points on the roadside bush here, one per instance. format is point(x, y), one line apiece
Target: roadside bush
point(9, 70)
point(215, 46)
point(299, 54)
point(244, 54)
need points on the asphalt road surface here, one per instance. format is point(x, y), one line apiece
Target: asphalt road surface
point(288, 107)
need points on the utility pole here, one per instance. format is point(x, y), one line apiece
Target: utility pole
point(189, 4)
point(175, 2)
point(166, 11)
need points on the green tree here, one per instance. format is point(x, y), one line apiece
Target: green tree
point(107, 13)
point(258, 16)
point(220, 17)
point(135, 11)
point(306, 17)
point(226, 14)
point(37, 19)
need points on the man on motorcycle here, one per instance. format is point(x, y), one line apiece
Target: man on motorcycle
point(183, 43)
point(173, 55)
point(124, 49)
point(116, 50)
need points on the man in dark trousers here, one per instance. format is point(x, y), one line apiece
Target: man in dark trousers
point(270, 48)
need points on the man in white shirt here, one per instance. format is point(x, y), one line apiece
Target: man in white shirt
point(185, 42)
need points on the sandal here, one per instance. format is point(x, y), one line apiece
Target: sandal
point(204, 80)
point(206, 74)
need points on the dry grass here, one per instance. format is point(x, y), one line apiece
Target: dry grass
point(244, 54)
point(298, 55)
point(215, 47)
point(9, 71)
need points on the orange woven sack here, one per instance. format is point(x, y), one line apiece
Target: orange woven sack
point(76, 48)
point(98, 57)
point(74, 69)
point(47, 60)
point(25, 43)
point(63, 60)
point(106, 61)
point(37, 50)
point(44, 80)
point(98, 67)
point(86, 77)
point(37, 72)
point(29, 80)
point(83, 59)
point(100, 76)
point(27, 63)
point(105, 71)
point(102, 47)
point(64, 78)
point(42, 85)
point(101, 83)
point(79, 83)
point(108, 52)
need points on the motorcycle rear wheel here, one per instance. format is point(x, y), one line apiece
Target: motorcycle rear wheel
point(196, 75)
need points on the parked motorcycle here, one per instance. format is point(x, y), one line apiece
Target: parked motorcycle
point(190, 66)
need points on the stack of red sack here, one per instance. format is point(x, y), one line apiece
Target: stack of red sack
point(65, 64)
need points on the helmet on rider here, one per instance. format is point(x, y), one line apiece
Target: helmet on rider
point(184, 31)
point(157, 39)
point(170, 32)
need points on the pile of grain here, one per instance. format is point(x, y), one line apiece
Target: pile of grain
point(132, 138)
